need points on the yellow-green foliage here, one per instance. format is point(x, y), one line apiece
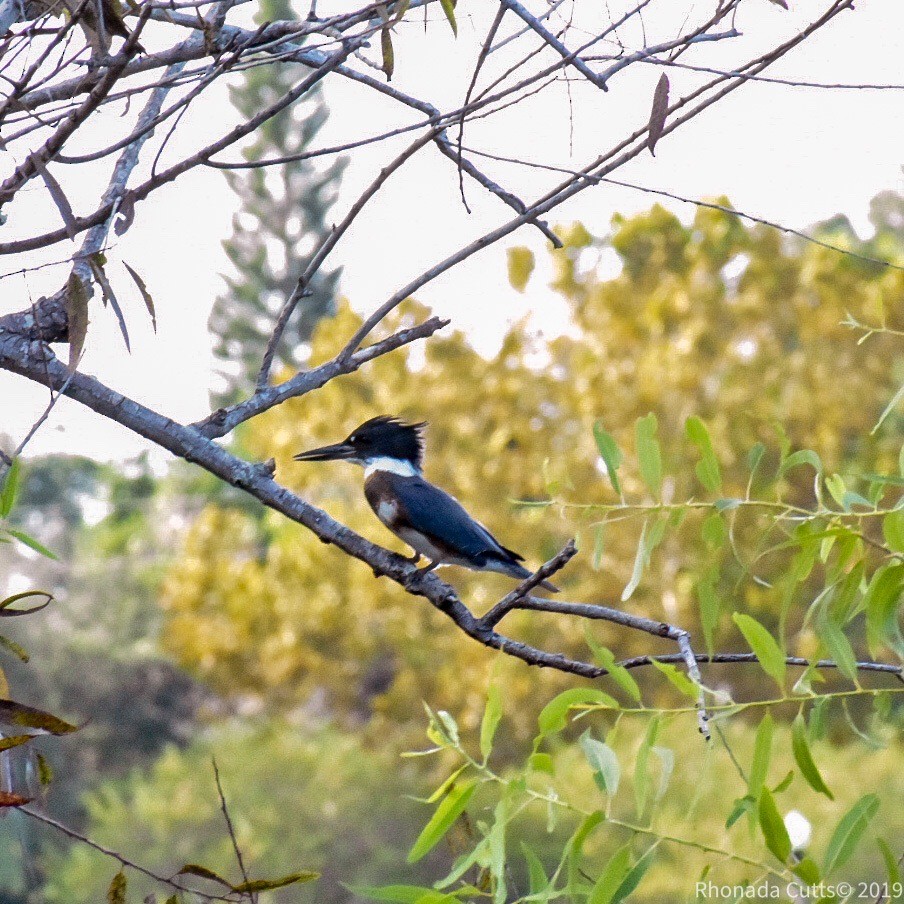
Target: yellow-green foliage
point(714, 319)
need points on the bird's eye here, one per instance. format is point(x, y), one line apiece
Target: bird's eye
point(353, 438)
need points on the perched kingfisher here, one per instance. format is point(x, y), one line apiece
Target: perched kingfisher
point(429, 520)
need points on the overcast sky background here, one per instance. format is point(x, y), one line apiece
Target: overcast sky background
point(791, 155)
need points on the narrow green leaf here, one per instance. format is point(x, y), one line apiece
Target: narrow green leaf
point(839, 648)
point(554, 716)
point(773, 827)
point(764, 647)
point(14, 648)
point(537, 877)
point(666, 757)
point(45, 771)
point(398, 894)
point(892, 868)
point(116, 893)
point(710, 609)
point(614, 873)
point(618, 673)
point(388, 53)
point(30, 542)
point(10, 488)
point(762, 753)
point(610, 453)
point(13, 713)
point(642, 765)
point(650, 538)
point(145, 295)
point(678, 678)
point(604, 763)
point(800, 746)
point(491, 716)
point(896, 398)
point(848, 832)
point(202, 872)
point(255, 885)
point(881, 603)
point(632, 880)
point(648, 453)
point(450, 808)
point(6, 612)
point(707, 469)
point(449, 9)
point(11, 741)
point(893, 530)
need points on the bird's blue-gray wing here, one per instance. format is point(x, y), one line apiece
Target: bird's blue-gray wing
point(434, 513)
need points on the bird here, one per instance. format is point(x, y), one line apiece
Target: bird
point(433, 523)
point(99, 19)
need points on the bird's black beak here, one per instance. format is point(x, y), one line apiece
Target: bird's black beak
point(337, 452)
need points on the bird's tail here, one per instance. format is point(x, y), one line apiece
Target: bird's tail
point(517, 570)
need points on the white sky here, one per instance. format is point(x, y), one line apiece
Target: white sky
point(790, 155)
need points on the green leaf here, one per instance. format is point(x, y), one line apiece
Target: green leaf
point(537, 877)
point(145, 295)
point(11, 741)
point(450, 808)
point(30, 542)
point(599, 546)
point(614, 873)
point(762, 752)
point(491, 716)
point(400, 894)
point(804, 758)
point(632, 880)
point(388, 53)
point(618, 673)
point(610, 454)
point(6, 612)
point(520, 267)
point(202, 872)
point(893, 530)
point(116, 893)
point(881, 603)
point(641, 765)
point(45, 771)
point(714, 531)
point(18, 714)
point(604, 763)
point(542, 762)
point(764, 647)
point(888, 410)
point(801, 457)
point(773, 827)
point(554, 716)
point(835, 485)
point(892, 868)
point(77, 317)
point(707, 469)
point(710, 609)
point(650, 538)
point(14, 648)
point(449, 9)
point(677, 678)
point(849, 831)
point(839, 648)
point(648, 453)
point(10, 488)
point(255, 885)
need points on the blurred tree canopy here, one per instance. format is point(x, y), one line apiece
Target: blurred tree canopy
point(715, 319)
point(322, 669)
